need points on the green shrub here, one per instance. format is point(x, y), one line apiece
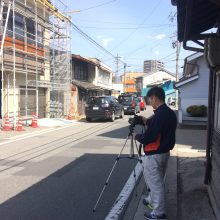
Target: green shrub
point(197, 110)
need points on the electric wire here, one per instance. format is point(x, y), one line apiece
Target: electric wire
point(123, 28)
point(87, 37)
point(110, 22)
point(128, 37)
point(96, 6)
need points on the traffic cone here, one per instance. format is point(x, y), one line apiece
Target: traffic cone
point(7, 126)
point(69, 117)
point(19, 126)
point(34, 121)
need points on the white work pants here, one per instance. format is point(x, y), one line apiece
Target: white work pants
point(154, 173)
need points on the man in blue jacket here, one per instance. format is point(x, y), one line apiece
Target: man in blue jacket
point(158, 140)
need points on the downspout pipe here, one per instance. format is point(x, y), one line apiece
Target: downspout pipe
point(210, 126)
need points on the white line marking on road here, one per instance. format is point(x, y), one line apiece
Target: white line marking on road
point(120, 202)
point(33, 135)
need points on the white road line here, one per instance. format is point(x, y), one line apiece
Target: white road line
point(120, 202)
point(14, 139)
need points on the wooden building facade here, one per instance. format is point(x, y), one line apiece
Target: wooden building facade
point(198, 22)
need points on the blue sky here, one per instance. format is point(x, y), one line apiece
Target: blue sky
point(135, 30)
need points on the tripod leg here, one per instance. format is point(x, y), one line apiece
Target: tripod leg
point(109, 176)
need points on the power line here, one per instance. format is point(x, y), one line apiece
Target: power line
point(167, 56)
point(124, 28)
point(145, 19)
point(110, 22)
point(92, 40)
point(96, 6)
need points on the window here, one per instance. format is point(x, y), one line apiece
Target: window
point(104, 77)
point(19, 26)
point(30, 29)
point(217, 107)
point(80, 71)
point(40, 34)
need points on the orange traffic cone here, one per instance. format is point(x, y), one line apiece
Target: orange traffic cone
point(7, 126)
point(34, 121)
point(69, 117)
point(19, 126)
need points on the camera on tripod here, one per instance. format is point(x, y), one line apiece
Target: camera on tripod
point(136, 120)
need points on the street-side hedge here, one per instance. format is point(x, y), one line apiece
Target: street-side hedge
point(197, 110)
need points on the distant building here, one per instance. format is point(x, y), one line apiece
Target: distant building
point(129, 81)
point(147, 80)
point(153, 66)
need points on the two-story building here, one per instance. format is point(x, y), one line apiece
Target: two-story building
point(34, 59)
point(90, 77)
point(193, 87)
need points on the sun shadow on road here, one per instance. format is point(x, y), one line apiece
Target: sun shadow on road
point(71, 192)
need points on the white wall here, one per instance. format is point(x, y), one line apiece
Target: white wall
point(156, 77)
point(104, 79)
point(196, 92)
point(118, 87)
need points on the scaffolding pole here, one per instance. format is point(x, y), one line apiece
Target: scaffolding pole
point(14, 69)
point(36, 55)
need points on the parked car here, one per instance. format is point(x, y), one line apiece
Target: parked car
point(103, 107)
point(171, 101)
point(130, 103)
point(142, 103)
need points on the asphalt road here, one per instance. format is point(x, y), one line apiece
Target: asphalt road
point(59, 175)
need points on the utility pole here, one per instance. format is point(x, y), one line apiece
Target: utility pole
point(176, 45)
point(125, 65)
point(116, 72)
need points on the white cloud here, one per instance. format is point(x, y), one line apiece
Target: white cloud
point(157, 37)
point(160, 36)
point(99, 36)
point(157, 52)
point(105, 41)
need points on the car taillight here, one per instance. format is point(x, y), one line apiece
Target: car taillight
point(133, 104)
point(105, 105)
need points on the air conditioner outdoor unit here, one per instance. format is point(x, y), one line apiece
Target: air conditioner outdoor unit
point(212, 51)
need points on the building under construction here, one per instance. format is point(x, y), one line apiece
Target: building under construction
point(34, 58)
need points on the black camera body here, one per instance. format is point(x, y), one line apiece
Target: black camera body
point(136, 120)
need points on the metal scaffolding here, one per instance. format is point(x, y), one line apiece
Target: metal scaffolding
point(35, 58)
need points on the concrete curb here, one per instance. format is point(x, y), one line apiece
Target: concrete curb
point(134, 200)
point(121, 204)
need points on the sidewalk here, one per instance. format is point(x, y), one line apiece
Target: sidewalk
point(43, 125)
point(186, 195)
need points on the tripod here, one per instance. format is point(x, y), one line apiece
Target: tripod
point(131, 156)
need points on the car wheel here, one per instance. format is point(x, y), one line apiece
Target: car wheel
point(113, 116)
point(88, 119)
point(122, 114)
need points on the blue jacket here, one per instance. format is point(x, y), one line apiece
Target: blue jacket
point(160, 134)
